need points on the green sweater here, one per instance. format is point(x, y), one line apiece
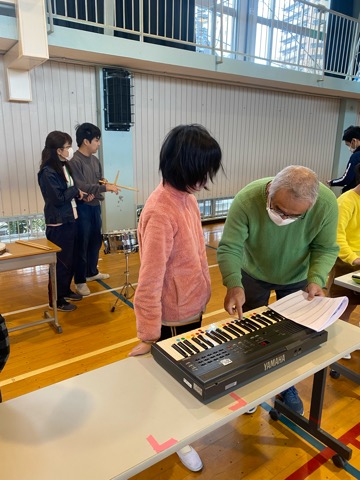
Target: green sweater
point(304, 249)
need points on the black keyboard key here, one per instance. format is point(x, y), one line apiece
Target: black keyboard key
point(199, 342)
point(190, 345)
point(205, 340)
point(213, 337)
point(262, 320)
point(185, 347)
point(232, 330)
point(223, 334)
point(176, 347)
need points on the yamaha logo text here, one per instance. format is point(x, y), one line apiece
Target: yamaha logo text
point(274, 362)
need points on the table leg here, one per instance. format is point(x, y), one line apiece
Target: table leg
point(54, 318)
point(337, 368)
point(312, 425)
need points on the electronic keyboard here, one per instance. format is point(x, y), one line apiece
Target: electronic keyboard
point(218, 358)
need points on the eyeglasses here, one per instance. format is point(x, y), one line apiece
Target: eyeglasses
point(285, 215)
point(282, 214)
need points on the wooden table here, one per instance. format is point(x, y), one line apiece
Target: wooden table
point(24, 256)
point(116, 421)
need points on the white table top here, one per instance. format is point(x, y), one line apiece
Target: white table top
point(114, 422)
point(347, 282)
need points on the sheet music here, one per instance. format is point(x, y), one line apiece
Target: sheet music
point(317, 314)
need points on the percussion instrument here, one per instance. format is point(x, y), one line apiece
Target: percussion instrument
point(2, 248)
point(120, 241)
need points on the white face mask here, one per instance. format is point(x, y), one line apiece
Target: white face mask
point(352, 150)
point(278, 220)
point(71, 154)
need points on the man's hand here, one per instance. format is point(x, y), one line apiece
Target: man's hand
point(234, 300)
point(110, 187)
point(140, 349)
point(356, 261)
point(314, 290)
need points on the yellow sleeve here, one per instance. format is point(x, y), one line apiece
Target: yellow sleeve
point(344, 231)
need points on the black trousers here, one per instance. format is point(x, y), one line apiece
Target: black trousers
point(257, 292)
point(89, 241)
point(64, 236)
point(168, 332)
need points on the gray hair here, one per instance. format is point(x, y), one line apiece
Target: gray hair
point(301, 182)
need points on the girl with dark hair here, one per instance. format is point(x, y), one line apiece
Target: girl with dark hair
point(59, 193)
point(174, 280)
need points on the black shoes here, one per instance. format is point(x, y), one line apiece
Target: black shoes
point(65, 306)
point(74, 297)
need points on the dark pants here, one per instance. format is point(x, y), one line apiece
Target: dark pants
point(168, 332)
point(64, 236)
point(4, 345)
point(257, 292)
point(89, 242)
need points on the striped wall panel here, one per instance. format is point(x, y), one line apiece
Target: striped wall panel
point(63, 96)
point(260, 131)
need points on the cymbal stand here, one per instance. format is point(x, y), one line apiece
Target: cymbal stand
point(127, 290)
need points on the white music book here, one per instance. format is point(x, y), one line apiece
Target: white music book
point(318, 313)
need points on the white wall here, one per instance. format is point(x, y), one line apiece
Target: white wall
point(260, 131)
point(63, 95)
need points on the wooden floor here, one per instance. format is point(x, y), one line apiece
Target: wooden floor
point(252, 447)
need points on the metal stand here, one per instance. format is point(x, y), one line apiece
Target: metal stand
point(127, 290)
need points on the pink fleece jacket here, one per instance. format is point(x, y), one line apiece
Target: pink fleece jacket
point(174, 279)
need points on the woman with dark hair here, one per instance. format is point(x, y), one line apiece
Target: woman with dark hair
point(59, 193)
point(174, 280)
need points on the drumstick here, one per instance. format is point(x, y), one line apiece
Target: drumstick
point(117, 176)
point(105, 182)
point(33, 244)
point(128, 188)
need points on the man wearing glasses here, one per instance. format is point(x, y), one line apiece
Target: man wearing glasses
point(280, 234)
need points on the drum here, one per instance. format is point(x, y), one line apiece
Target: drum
point(120, 241)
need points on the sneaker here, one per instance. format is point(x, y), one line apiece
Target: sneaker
point(347, 357)
point(190, 459)
point(98, 276)
point(251, 410)
point(291, 398)
point(82, 289)
point(75, 297)
point(65, 307)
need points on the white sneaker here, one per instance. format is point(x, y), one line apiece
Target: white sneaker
point(190, 458)
point(251, 410)
point(347, 356)
point(98, 276)
point(82, 289)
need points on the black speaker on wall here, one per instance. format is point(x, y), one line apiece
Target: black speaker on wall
point(118, 99)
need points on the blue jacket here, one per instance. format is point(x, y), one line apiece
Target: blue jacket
point(348, 180)
point(57, 197)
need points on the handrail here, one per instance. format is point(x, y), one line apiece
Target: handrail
point(50, 17)
point(308, 39)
